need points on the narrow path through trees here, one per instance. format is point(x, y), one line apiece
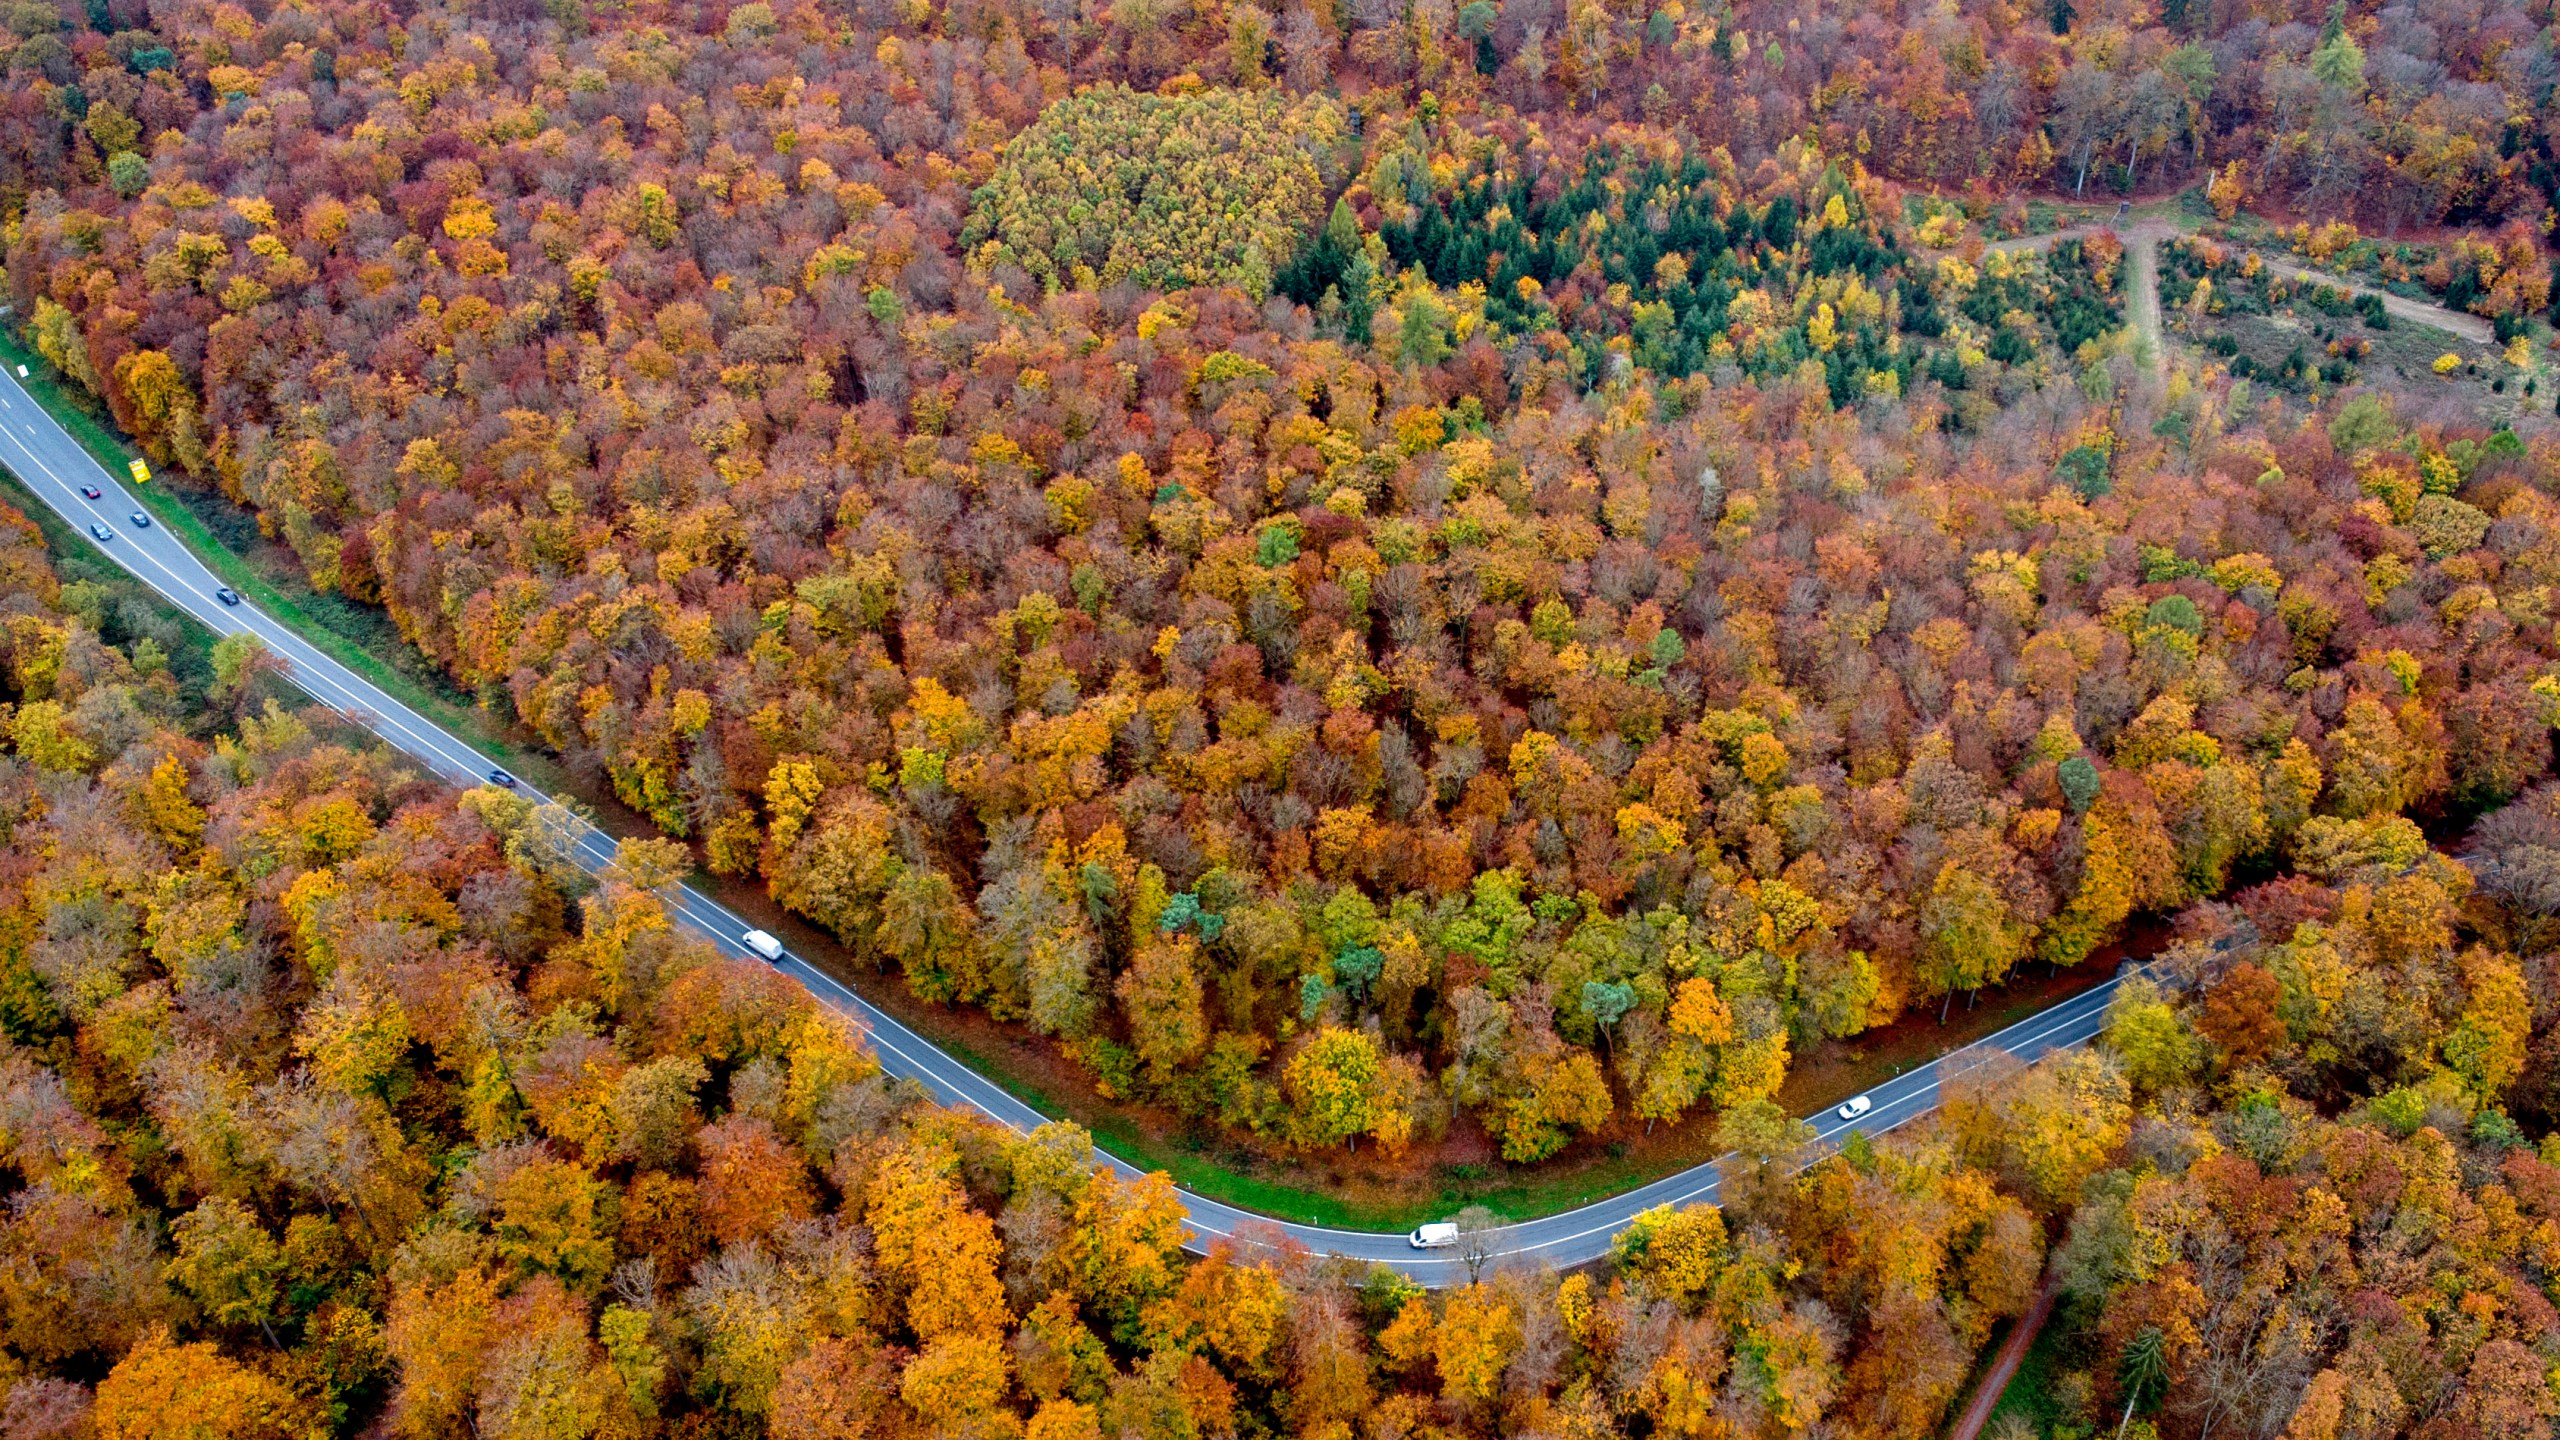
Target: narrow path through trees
point(2004, 1366)
point(2142, 240)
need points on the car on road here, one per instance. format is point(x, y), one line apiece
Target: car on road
point(102, 532)
point(763, 944)
point(1438, 1235)
point(502, 779)
point(1856, 1107)
point(227, 595)
point(92, 492)
point(141, 521)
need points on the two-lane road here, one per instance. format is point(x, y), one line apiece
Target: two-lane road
point(53, 466)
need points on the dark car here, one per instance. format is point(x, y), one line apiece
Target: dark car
point(502, 779)
point(92, 492)
point(227, 595)
point(141, 521)
point(102, 532)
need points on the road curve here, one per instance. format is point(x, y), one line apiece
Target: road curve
point(52, 465)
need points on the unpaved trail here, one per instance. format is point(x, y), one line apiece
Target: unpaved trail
point(2452, 322)
point(1986, 1396)
point(2142, 279)
point(2141, 274)
point(2142, 287)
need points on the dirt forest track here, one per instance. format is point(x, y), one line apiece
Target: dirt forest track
point(2143, 233)
point(2004, 1366)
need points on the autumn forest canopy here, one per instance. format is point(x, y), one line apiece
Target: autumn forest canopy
point(1389, 579)
point(339, 1104)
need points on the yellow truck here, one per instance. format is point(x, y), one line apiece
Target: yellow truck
point(141, 472)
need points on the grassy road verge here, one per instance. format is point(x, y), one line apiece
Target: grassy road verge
point(76, 558)
point(87, 422)
point(300, 609)
point(200, 520)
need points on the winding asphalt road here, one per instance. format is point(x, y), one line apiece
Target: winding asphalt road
point(51, 464)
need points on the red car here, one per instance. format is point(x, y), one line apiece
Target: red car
point(91, 491)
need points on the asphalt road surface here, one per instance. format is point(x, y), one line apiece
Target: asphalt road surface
point(51, 464)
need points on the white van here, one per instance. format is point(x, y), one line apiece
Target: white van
point(763, 944)
point(1436, 1236)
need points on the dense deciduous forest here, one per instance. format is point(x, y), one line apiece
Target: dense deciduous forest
point(337, 1103)
point(2401, 114)
point(1369, 568)
point(1541, 638)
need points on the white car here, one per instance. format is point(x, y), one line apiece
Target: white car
point(763, 944)
point(1855, 1108)
point(1437, 1236)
